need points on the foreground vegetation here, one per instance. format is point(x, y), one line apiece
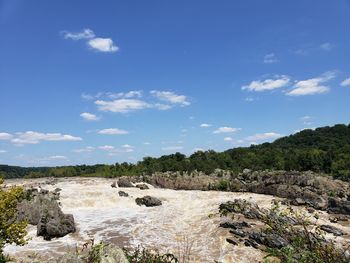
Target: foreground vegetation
point(325, 150)
point(11, 231)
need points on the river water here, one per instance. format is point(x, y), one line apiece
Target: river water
point(181, 222)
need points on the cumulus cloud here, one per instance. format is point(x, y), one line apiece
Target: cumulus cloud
point(172, 148)
point(89, 116)
point(103, 45)
point(268, 84)
point(122, 105)
point(32, 137)
point(228, 139)
point(131, 101)
point(107, 148)
point(85, 34)
point(5, 136)
point(263, 136)
point(312, 86)
point(97, 43)
point(345, 82)
point(226, 130)
point(113, 131)
point(84, 150)
point(270, 58)
point(170, 97)
point(205, 125)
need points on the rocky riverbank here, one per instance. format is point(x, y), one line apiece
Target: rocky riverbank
point(299, 188)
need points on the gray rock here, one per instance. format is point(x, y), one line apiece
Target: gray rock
point(333, 230)
point(122, 193)
point(142, 186)
point(124, 182)
point(238, 232)
point(44, 211)
point(114, 185)
point(148, 201)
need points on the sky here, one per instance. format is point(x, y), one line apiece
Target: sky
point(86, 82)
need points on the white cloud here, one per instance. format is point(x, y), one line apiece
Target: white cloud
point(85, 34)
point(103, 44)
point(3, 151)
point(263, 136)
point(326, 46)
point(147, 143)
point(31, 137)
point(270, 58)
point(128, 148)
point(307, 120)
point(172, 148)
point(107, 148)
point(345, 82)
point(89, 116)
point(113, 131)
point(5, 136)
point(312, 86)
point(205, 125)
point(249, 99)
point(161, 106)
point(226, 130)
point(268, 84)
point(122, 105)
point(171, 97)
point(228, 139)
point(84, 150)
point(57, 157)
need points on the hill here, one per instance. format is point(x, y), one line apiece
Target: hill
point(324, 150)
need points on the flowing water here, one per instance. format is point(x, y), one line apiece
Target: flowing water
point(181, 222)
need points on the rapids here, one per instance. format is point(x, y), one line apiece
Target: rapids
point(182, 221)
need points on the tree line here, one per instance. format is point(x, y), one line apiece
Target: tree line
point(324, 150)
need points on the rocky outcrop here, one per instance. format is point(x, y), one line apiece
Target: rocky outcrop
point(300, 188)
point(42, 209)
point(148, 201)
point(124, 182)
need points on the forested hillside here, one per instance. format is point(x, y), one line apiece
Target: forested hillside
point(325, 150)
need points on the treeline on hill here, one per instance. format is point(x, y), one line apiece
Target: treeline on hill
point(325, 150)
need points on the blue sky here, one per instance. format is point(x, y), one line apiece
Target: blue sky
point(112, 81)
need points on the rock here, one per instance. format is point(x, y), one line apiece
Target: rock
point(114, 185)
point(234, 225)
point(124, 182)
point(270, 240)
point(142, 186)
point(148, 201)
point(249, 210)
point(57, 190)
point(231, 241)
point(110, 254)
point(251, 243)
point(333, 230)
point(338, 206)
point(55, 225)
point(238, 232)
point(44, 211)
point(122, 193)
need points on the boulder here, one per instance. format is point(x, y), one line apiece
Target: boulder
point(148, 201)
point(231, 241)
point(338, 206)
point(114, 185)
point(124, 182)
point(43, 210)
point(142, 186)
point(109, 254)
point(122, 193)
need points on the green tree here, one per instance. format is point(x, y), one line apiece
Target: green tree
point(11, 231)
